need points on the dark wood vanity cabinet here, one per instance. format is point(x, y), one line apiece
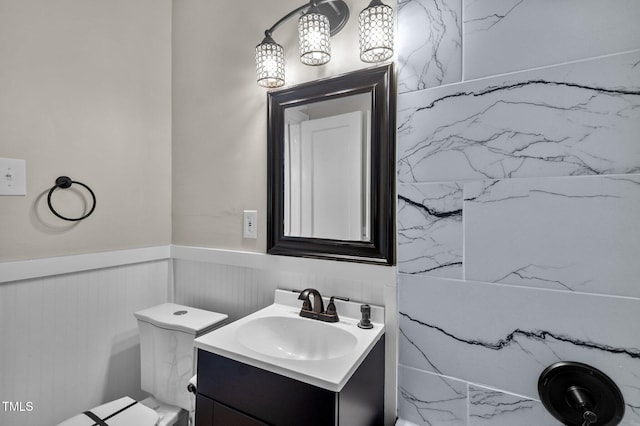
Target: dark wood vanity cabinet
point(231, 393)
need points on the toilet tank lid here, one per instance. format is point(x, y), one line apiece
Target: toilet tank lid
point(181, 318)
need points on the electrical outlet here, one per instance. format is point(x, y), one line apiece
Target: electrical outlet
point(250, 224)
point(13, 179)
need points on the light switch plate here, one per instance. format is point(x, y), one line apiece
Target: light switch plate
point(13, 177)
point(250, 220)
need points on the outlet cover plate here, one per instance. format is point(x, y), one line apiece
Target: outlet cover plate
point(250, 220)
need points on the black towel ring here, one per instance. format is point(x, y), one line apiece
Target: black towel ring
point(65, 182)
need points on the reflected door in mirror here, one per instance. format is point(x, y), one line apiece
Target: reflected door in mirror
point(327, 175)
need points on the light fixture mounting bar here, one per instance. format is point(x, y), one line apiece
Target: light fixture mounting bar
point(337, 12)
point(285, 18)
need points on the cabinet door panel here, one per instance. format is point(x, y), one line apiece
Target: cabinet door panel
point(273, 398)
point(226, 416)
point(204, 411)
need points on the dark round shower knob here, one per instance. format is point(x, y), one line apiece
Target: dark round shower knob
point(578, 394)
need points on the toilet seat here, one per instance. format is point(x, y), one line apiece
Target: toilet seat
point(121, 412)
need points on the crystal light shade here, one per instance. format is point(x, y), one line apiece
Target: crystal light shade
point(376, 32)
point(313, 31)
point(269, 63)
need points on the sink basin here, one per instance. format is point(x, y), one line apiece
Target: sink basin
point(295, 338)
point(277, 339)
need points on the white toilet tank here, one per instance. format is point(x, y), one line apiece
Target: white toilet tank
point(167, 355)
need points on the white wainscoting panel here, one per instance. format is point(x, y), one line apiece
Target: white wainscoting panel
point(70, 342)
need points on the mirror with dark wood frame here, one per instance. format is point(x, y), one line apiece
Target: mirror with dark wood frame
point(331, 164)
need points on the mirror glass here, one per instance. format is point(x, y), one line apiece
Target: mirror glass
point(331, 162)
point(327, 169)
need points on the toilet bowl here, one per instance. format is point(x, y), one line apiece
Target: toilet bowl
point(167, 361)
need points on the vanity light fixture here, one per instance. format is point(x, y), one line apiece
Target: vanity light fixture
point(269, 62)
point(319, 20)
point(376, 32)
point(313, 32)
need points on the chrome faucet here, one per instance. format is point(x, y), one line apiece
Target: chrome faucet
point(317, 310)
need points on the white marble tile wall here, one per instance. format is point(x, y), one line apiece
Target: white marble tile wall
point(429, 228)
point(430, 36)
point(430, 399)
point(495, 408)
point(427, 399)
point(537, 263)
point(498, 32)
point(576, 119)
point(572, 234)
point(504, 336)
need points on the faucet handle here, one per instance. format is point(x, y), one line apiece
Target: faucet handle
point(331, 308)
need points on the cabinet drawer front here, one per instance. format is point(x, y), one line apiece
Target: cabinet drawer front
point(275, 399)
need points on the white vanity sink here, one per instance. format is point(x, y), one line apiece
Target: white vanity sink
point(295, 338)
point(277, 339)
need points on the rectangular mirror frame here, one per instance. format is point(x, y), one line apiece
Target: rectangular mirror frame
point(380, 82)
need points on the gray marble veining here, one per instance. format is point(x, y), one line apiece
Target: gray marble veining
point(578, 234)
point(496, 32)
point(506, 335)
point(429, 43)
point(518, 170)
point(428, 399)
point(575, 119)
point(488, 407)
point(430, 229)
